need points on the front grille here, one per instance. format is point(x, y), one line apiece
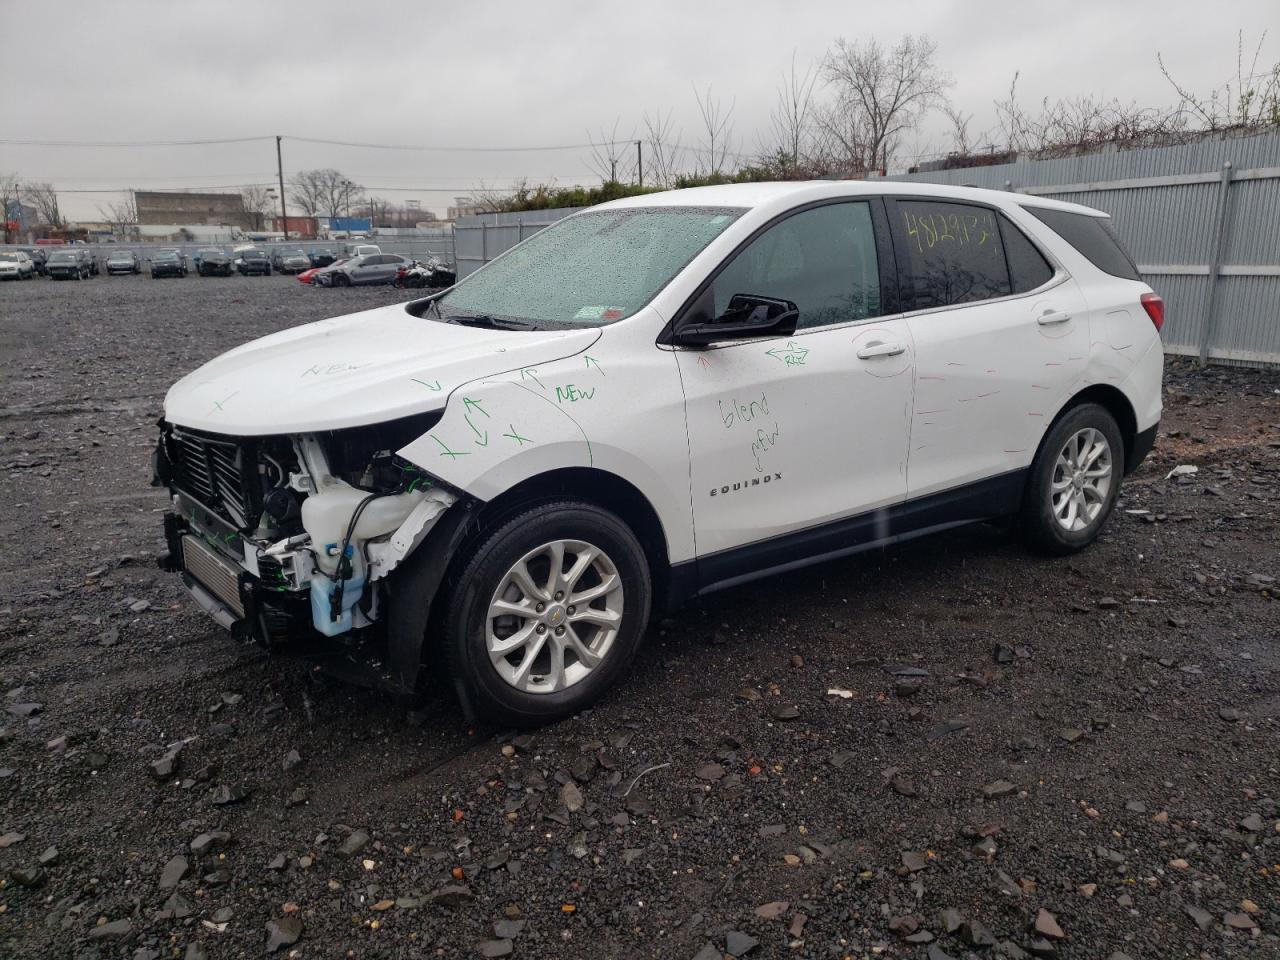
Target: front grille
point(213, 472)
point(213, 573)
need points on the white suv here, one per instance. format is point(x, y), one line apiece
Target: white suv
point(654, 399)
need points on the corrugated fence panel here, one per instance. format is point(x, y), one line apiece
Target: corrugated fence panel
point(1254, 236)
point(1247, 320)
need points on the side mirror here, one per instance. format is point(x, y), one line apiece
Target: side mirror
point(748, 317)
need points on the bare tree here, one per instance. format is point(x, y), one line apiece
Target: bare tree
point(1248, 100)
point(717, 145)
point(790, 136)
point(881, 93)
point(662, 156)
point(122, 215)
point(45, 199)
point(258, 199)
point(10, 194)
point(608, 154)
point(324, 191)
point(961, 142)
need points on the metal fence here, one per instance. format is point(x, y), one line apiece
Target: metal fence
point(478, 239)
point(1199, 218)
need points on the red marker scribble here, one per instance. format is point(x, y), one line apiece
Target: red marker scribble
point(704, 362)
point(981, 396)
point(1038, 386)
point(1029, 414)
point(925, 413)
point(613, 314)
point(939, 379)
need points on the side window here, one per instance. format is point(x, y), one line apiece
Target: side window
point(1092, 237)
point(1028, 268)
point(823, 260)
point(948, 253)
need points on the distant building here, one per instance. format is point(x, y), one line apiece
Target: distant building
point(159, 208)
point(467, 206)
point(300, 228)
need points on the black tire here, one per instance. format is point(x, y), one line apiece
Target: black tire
point(479, 572)
point(1037, 521)
point(341, 280)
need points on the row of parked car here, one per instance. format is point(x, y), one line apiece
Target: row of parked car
point(358, 265)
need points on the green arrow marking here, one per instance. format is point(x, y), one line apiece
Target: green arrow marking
point(473, 405)
point(527, 373)
point(592, 360)
point(430, 386)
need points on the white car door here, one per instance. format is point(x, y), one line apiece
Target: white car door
point(1001, 336)
point(797, 434)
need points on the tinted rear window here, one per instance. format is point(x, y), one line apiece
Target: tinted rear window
point(1092, 238)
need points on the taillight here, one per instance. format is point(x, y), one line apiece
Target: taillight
point(1154, 306)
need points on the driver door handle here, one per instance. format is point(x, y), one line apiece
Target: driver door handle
point(1051, 316)
point(891, 349)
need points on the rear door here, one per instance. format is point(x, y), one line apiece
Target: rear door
point(1001, 335)
point(793, 434)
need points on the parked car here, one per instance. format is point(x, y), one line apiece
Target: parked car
point(38, 255)
point(309, 276)
point(506, 479)
point(289, 260)
point(321, 256)
point(16, 265)
point(211, 261)
point(361, 249)
point(362, 271)
point(123, 261)
point(252, 260)
point(69, 264)
point(167, 263)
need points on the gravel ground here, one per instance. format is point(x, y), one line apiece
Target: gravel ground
point(948, 749)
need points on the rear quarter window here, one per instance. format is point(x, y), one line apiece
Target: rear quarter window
point(1092, 238)
point(1028, 268)
point(948, 253)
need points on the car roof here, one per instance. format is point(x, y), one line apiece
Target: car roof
point(781, 195)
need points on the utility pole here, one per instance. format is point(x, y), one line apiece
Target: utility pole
point(639, 163)
point(284, 214)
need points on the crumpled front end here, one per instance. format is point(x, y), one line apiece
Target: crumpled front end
point(287, 538)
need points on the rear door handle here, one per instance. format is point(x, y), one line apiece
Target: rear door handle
point(891, 349)
point(1050, 317)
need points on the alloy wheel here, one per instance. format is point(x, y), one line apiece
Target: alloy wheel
point(554, 616)
point(1082, 475)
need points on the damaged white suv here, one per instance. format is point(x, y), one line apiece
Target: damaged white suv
point(651, 400)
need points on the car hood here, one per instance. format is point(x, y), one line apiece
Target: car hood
point(350, 371)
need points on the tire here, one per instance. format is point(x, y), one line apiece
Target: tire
point(1045, 514)
point(526, 535)
point(341, 280)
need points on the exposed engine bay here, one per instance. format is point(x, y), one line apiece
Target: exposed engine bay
point(273, 533)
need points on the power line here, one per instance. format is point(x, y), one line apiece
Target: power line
point(129, 143)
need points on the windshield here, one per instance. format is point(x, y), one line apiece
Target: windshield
point(165, 255)
point(255, 254)
point(593, 268)
point(9, 257)
point(122, 255)
point(211, 253)
point(292, 253)
point(63, 256)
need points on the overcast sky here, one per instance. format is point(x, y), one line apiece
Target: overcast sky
point(487, 74)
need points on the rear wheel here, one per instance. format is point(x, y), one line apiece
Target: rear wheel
point(341, 280)
point(547, 612)
point(1075, 481)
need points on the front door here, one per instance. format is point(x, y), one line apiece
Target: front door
point(791, 433)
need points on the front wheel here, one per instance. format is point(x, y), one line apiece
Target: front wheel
point(547, 612)
point(1074, 482)
point(341, 280)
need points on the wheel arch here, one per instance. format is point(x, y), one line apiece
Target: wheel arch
point(603, 489)
point(1113, 400)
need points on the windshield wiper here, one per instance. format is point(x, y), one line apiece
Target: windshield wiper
point(486, 321)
